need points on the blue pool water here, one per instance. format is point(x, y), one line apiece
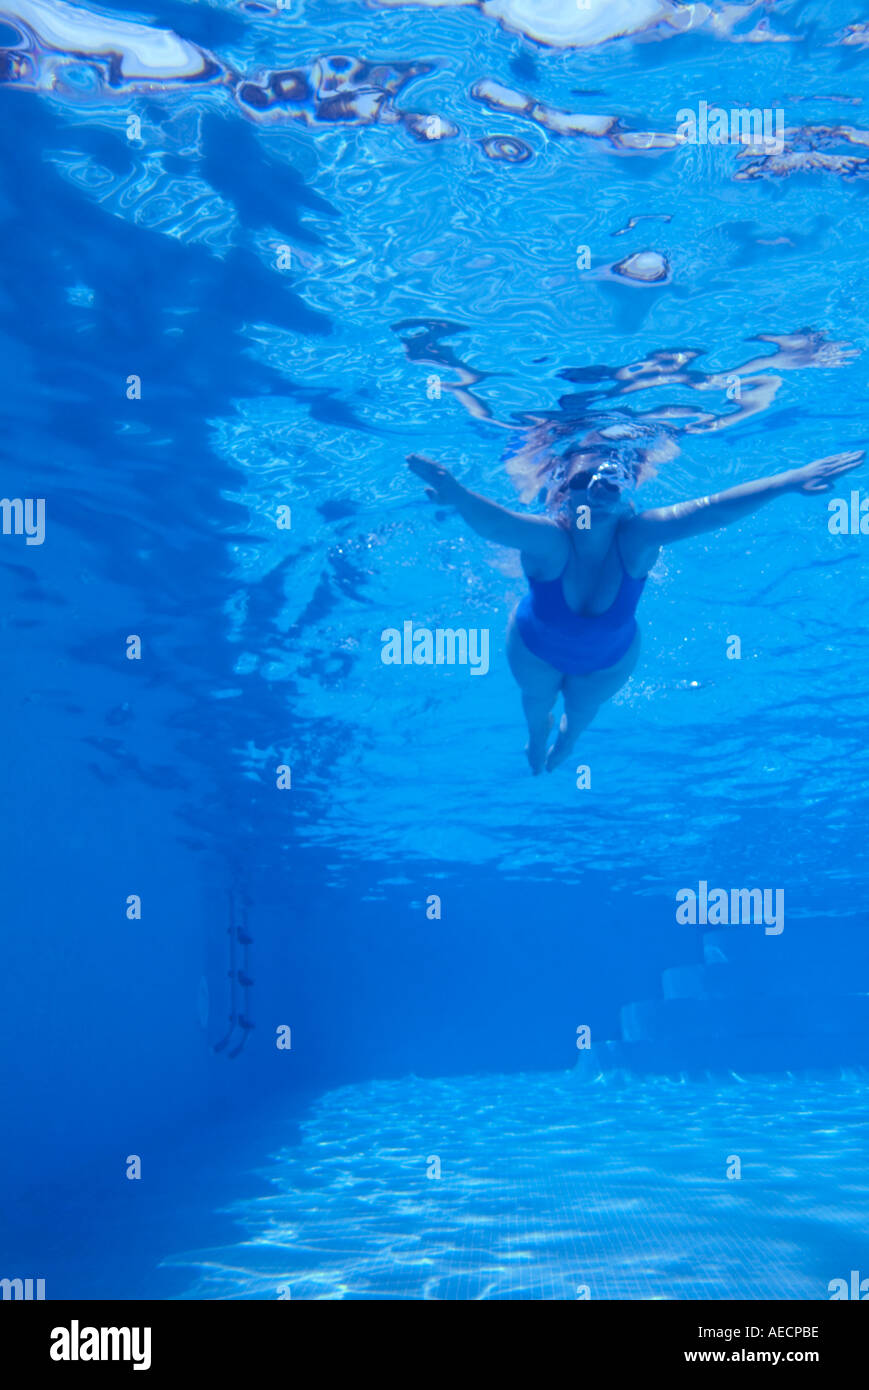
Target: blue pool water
point(255, 255)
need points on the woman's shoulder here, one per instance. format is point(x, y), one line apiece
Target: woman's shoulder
point(634, 551)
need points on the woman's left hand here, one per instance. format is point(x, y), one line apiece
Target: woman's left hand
point(820, 475)
point(442, 486)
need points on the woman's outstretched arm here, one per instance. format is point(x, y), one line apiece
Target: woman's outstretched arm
point(663, 525)
point(536, 535)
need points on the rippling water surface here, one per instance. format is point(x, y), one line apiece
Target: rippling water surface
point(378, 208)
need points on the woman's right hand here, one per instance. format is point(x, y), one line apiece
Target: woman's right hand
point(442, 486)
point(820, 475)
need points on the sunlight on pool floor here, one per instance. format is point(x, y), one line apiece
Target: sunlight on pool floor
point(548, 1185)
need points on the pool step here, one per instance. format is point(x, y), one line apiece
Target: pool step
point(770, 1017)
point(795, 1002)
point(744, 945)
point(757, 979)
point(809, 943)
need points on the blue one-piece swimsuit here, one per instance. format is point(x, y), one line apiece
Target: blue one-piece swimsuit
point(578, 643)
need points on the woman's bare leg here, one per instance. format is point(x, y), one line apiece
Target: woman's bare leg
point(539, 683)
point(583, 697)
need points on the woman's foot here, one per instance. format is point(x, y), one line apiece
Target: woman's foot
point(563, 745)
point(535, 748)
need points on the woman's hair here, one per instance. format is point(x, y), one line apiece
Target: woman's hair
point(556, 458)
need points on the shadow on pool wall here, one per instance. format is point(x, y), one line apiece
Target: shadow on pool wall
point(512, 970)
point(107, 908)
point(375, 989)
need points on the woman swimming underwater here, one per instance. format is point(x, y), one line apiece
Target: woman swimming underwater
point(574, 632)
